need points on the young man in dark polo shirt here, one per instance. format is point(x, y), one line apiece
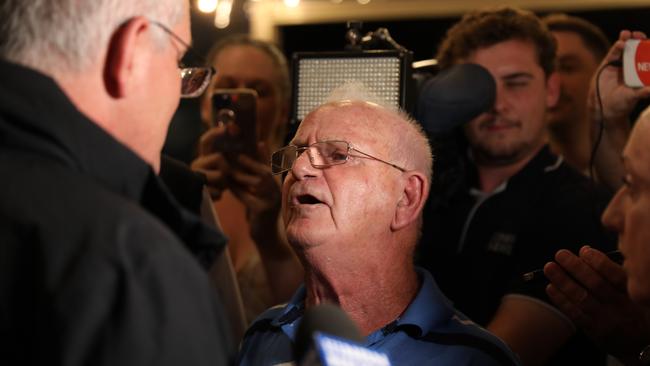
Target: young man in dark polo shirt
point(510, 203)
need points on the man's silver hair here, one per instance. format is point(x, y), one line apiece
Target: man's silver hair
point(410, 145)
point(357, 91)
point(69, 35)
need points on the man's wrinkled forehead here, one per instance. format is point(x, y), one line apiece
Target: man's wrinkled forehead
point(342, 118)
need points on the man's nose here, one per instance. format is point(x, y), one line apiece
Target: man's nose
point(302, 167)
point(612, 216)
point(501, 100)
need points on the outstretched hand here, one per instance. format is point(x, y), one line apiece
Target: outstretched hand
point(591, 290)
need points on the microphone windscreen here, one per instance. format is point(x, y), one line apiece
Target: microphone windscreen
point(455, 96)
point(324, 318)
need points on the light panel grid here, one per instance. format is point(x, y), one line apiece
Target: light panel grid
point(318, 77)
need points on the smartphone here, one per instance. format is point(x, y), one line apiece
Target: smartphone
point(636, 63)
point(235, 109)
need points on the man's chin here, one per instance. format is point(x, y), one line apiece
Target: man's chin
point(638, 292)
point(303, 236)
point(498, 156)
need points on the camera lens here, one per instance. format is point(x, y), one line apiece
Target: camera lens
point(225, 116)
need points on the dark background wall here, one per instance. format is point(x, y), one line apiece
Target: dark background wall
point(423, 35)
point(420, 36)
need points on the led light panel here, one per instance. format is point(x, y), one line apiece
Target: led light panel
point(317, 75)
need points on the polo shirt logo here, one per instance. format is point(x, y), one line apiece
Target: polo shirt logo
point(502, 243)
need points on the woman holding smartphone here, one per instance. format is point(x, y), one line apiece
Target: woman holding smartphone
point(246, 195)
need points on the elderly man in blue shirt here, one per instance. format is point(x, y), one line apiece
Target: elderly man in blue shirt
point(358, 175)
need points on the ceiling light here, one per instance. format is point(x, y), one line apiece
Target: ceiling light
point(291, 3)
point(207, 6)
point(222, 15)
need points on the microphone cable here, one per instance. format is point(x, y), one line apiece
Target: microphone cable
point(601, 124)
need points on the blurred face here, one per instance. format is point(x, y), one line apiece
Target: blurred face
point(514, 129)
point(341, 203)
point(249, 67)
point(575, 67)
point(629, 213)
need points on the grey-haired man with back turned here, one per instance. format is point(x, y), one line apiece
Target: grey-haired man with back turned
point(96, 262)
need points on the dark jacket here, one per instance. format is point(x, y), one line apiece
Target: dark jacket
point(98, 263)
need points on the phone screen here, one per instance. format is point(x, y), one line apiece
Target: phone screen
point(235, 110)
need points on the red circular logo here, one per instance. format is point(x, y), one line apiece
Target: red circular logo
point(642, 62)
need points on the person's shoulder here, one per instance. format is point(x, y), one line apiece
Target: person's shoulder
point(265, 342)
point(566, 193)
point(264, 322)
point(74, 213)
point(445, 334)
point(566, 180)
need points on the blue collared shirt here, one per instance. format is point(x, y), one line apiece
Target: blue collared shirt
point(429, 331)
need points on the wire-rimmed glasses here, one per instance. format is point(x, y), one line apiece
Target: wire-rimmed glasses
point(321, 155)
point(194, 79)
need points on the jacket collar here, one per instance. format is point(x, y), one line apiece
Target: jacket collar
point(36, 117)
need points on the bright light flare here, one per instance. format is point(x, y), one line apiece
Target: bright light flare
point(291, 3)
point(207, 6)
point(222, 16)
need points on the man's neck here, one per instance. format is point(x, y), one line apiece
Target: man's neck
point(371, 296)
point(570, 139)
point(490, 176)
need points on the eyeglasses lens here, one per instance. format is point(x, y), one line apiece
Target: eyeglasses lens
point(194, 80)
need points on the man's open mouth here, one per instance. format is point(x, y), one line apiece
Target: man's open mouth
point(307, 199)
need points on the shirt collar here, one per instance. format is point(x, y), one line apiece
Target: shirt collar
point(543, 162)
point(290, 317)
point(428, 310)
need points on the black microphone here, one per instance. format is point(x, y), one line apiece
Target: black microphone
point(454, 97)
point(327, 336)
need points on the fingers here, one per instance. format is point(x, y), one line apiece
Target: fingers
point(616, 51)
point(564, 282)
point(642, 93)
point(638, 35)
point(585, 275)
point(215, 168)
point(261, 183)
point(609, 270)
point(565, 293)
point(206, 142)
point(263, 152)
point(572, 299)
point(564, 304)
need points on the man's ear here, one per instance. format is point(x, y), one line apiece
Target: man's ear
point(552, 89)
point(122, 66)
point(414, 196)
